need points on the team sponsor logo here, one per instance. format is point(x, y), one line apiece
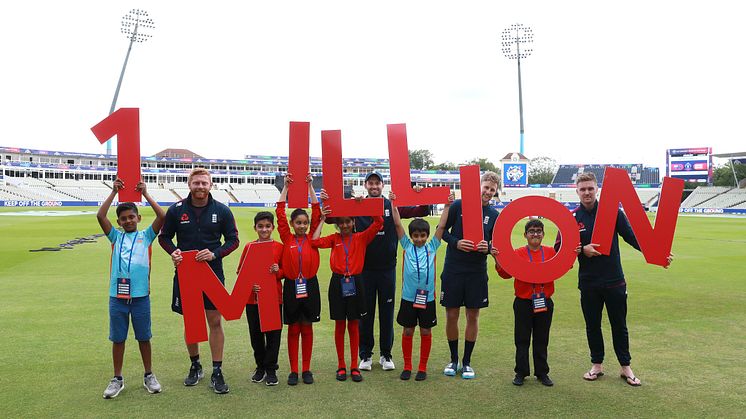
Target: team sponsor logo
point(184, 218)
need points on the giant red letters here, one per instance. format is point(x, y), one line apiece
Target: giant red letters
point(546, 271)
point(197, 277)
point(655, 243)
point(331, 166)
point(471, 204)
point(298, 164)
point(125, 124)
point(401, 183)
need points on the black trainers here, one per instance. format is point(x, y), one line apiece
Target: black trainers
point(518, 380)
point(545, 380)
point(293, 379)
point(217, 383)
point(258, 376)
point(195, 374)
point(271, 378)
point(307, 377)
point(405, 374)
point(421, 375)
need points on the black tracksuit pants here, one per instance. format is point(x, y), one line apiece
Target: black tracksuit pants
point(592, 301)
point(527, 323)
point(266, 346)
point(380, 287)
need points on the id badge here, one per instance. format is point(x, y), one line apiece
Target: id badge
point(348, 286)
point(540, 302)
point(123, 288)
point(300, 288)
point(420, 299)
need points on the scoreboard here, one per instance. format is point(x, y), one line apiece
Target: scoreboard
point(690, 164)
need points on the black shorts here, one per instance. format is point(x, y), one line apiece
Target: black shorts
point(346, 308)
point(464, 289)
point(176, 297)
point(410, 317)
point(306, 309)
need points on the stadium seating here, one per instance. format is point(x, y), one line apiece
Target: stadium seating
point(728, 199)
point(703, 194)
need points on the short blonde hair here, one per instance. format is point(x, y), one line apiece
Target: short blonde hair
point(586, 177)
point(490, 176)
point(198, 171)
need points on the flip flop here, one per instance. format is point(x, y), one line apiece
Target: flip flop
point(595, 375)
point(633, 378)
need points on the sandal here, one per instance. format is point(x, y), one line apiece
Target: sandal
point(592, 376)
point(356, 376)
point(341, 374)
point(635, 382)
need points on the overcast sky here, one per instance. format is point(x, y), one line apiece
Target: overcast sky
point(607, 82)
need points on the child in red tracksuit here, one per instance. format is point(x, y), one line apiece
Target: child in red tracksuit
point(532, 308)
point(266, 345)
point(346, 299)
point(300, 263)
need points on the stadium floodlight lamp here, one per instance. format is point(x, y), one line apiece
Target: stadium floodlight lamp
point(516, 45)
point(138, 27)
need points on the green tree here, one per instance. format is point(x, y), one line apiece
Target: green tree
point(485, 164)
point(420, 159)
point(444, 166)
point(723, 175)
point(541, 170)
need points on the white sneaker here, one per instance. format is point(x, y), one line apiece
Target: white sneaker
point(151, 384)
point(386, 363)
point(114, 388)
point(468, 373)
point(450, 369)
point(365, 364)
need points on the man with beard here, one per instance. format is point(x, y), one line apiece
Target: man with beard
point(198, 221)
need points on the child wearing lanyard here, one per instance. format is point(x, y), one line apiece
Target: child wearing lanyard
point(300, 262)
point(346, 299)
point(418, 286)
point(129, 283)
point(532, 308)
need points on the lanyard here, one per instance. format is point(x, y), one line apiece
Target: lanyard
point(427, 263)
point(129, 264)
point(347, 253)
point(530, 259)
point(300, 255)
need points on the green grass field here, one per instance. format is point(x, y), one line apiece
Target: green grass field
point(686, 331)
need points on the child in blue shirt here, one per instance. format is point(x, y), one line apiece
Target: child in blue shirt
point(129, 283)
point(418, 286)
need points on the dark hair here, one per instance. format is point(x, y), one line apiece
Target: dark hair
point(264, 215)
point(297, 213)
point(126, 206)
point(418, 224)
point(533, 223)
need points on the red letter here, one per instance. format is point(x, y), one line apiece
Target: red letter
point(471, 203)
point(655, 243)
point(298, 164)
point(331, 165)
point(547, 271)
point(197, 277)
point(125, 124)
point(401, 183)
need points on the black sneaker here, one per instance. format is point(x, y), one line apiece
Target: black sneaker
point(217, 383)
point(421, 375)
point(545, 380)
point(405, 374)
point(307, 377)
point(518, 380)
point(195, 374)
point(271, 378)
point(293, 379)
point(258, 376)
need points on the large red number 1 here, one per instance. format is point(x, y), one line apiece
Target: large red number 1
point(125, 124)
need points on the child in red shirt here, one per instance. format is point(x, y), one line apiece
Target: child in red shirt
point(266, 345)
point(533, 307)
point(300, 263)
point(346, 299)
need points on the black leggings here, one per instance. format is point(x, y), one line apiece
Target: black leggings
point(592, 301)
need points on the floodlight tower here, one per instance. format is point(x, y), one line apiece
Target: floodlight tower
point(138, 27)
point(514, 38)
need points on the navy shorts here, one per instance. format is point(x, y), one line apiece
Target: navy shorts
point(464, 289)
point(120, 311)
point(409, 316)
